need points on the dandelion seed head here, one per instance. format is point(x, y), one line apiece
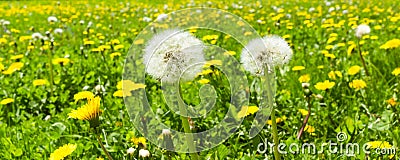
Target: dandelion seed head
point(172, 55)
point(362, 29)
point(144, 153)
point(52, 19)
point(269, 51)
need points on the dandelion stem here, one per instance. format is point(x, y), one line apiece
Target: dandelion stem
point(305, 120)
point(186, 127)
point(102, 146)
point(362, 58)
point(275, 135)
point(51, 72)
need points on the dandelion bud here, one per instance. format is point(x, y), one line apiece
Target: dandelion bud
point(144, 153)
point(131, 150)
point(307, 92)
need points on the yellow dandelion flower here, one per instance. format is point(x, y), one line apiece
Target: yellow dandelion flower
point(100, 158)
point(379, 144)
point(140, 140)
point(139, 41)
point(353, 70)
point(89, 111)
point(247, 110)
point(112, 55)
point(396, 71)
point(122, 93)
point(1, 67)
point(117, 47)
point(357, 84)
point(88, 42)
point(205, 72)
point(324, 85)
point(320, 67)
point(278, 120)
point(63, 152)
point(40, 82)
point(83, 95)
point(350, 49)
point(128, 85)
point(309, 129)
point(298, 68)
point(230, 53)
point(62, 61)
point(6, 101)
point(391, 101)
point(304, 78)
point(213, 63)
point(303, 112)
point(394, 43)
point(17, 57)
point(204, 81)
point(13, 67)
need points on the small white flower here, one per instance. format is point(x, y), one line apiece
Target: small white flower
point(131, 150)
point(162, 17)
point(362, 29)
point(52, 19)
point(81, 22)
point(264, 52)
point(99, 88)
point(37, 36)
point(174, 54)
point(146, 19)
point(58, 31)
point(144, 153)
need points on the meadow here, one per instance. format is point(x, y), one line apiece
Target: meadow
point(63, 83)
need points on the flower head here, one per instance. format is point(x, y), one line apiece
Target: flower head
point(89, 111)
point(52, 19)
point(144, 153)
point(362, 29)
point(269, 51)
point(37, 36)
point(172, 54)
point(83, 95)
point(247, 110)
point(58, 31)
point(353, 70)
point(40, 82)
point(358, 84)
point(396, 71)
point(62, 152)
point(130, 150)
point(324, 85)
point(304, 78)
point(13, 67)
point(6, 101)
point(394, 43)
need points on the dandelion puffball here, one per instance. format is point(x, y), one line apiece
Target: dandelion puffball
point(58, 31)
point(52, 19)
point(262, 52)
point(162, 17)
point(131, 150)
point(362, 29)
point(144, 153)
point(37, 36)
point(173, 55)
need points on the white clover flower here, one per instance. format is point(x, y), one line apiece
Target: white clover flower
point(58, 31)
point(162, 17)
point(144, 153)
point(37, 36)
point(130, 150)
point(173, 54)
point(362, 29)
point(52, 19)
point(262, 52)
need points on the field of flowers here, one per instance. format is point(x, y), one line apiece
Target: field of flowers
point(62, 89)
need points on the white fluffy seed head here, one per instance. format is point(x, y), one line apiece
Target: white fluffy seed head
point(173, 55)
point(144, 153)
point(362, 29)
point(37, 36)
point(52, 19)
point(58, 31)
point(269, 51)
point(131, 150)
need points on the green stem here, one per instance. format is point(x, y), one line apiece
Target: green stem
point(362, 58)
point(186, 127)
point(275, 135)
point(51, 73)
point(102, 146)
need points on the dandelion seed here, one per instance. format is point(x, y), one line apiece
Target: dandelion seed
point(269, 51)
point(173, 54)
